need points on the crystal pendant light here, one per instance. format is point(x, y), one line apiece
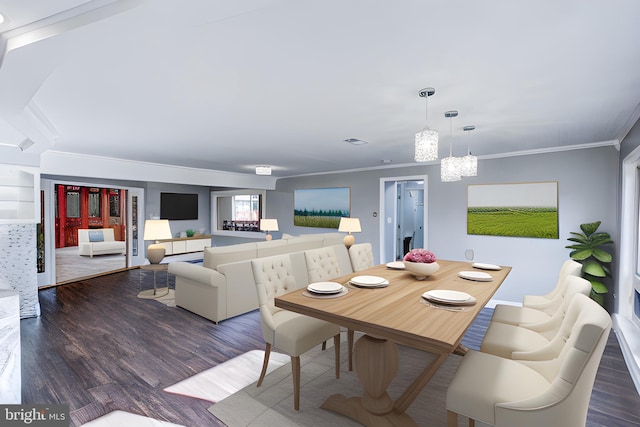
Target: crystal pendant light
point(426, 139)
point(450, 166)
point(469, 163)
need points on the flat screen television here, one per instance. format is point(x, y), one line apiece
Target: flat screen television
point(178, 206)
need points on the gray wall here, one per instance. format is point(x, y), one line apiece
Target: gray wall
point(587, 191)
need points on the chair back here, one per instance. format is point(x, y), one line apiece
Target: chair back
point(566, 291)
point(322, 264)
point(273, 276)
point(361, 255)
point(572, 286)
point(571, 372)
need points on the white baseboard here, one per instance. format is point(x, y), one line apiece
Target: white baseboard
point(629, 338)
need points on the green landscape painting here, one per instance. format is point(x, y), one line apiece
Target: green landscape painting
point(321, 207)
point(514, 210)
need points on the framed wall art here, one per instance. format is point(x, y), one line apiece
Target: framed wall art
point(321, 207)
point(515, 210)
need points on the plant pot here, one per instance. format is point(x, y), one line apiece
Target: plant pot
point(421, 270)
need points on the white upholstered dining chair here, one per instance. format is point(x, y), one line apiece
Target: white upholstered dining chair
point(507, 340)
point(361, 255)
point(523, 316)
point(285, 330)
point(569, 268)
point(538, 391)
point(323, 265)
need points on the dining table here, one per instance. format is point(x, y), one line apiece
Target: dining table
point(398, 312)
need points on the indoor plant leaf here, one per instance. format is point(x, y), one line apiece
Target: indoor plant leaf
point(601, 255)
point(599, 287)
point(580, 255)
point(593, 268)
point(590, 228)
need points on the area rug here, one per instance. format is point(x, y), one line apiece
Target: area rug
point(227, 378)
point(272, 403)
point(122, 418)
point(162, 296)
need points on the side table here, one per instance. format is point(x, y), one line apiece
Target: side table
point(155, 268)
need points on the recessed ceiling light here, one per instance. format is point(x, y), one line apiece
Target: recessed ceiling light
point(1, 18)
point(355, 141)
point(263, 170)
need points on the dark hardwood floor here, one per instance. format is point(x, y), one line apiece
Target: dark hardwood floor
point(98, 348)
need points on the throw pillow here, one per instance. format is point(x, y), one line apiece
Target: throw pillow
point(96, 236)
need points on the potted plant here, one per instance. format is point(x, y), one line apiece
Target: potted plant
point(588, 251)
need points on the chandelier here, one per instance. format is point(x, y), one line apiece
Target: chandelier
point(450, 166)
point(426, 139)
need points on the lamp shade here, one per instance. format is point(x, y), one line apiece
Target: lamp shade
point(426, 145)
point(269, 224)
point(157, 229)
point(349, 225)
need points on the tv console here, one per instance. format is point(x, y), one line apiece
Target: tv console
point(183, 245)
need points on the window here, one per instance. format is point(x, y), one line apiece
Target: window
point(94, 203)
point(236, 210)
point(114, 204)
point(246, 207)
point(73, 204)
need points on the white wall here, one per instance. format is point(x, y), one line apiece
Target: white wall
point(587, 191)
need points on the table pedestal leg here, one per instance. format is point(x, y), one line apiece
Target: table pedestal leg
point(376, 365)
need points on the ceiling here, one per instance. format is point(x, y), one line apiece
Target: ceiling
point(230, 85)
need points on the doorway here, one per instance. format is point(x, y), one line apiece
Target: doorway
point(403, 216)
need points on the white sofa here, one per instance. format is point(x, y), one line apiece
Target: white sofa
point(99, 241)
point(224, 286)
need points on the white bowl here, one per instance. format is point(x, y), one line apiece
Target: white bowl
point(421, 270)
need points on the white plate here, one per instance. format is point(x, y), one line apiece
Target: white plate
point(369, 281)
point(396, 265)
point(312, 294)
point(448, 297)
point(475, 275)
point(483, 266)
point(325, 287)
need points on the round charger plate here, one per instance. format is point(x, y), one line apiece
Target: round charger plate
point(478, 276)
point(368, 280)
point(446, 296)
point(483, 266)
point(396, 265)
point(325, 287)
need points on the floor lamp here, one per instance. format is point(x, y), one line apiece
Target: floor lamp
point(156, 229)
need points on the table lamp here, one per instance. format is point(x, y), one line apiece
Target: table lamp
point(156, 229)
point(268, 225)
point(349, 225)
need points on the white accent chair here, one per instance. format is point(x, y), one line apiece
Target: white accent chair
point(539, 391)
point(569, 268)
point(507, 340)
point(516, 315)
point(361, 255)
point(285, 330)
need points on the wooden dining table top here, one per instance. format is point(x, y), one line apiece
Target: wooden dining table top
point(398, 312)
